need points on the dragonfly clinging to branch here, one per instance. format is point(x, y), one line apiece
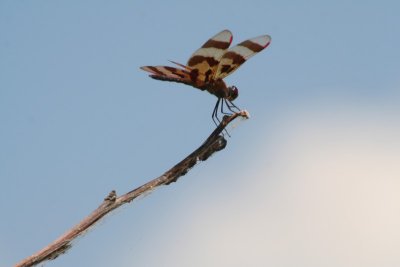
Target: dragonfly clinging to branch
point(210, 64)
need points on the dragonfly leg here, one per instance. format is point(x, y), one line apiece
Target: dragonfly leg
point(232, 106)
point(214, 115)
point(222, 107)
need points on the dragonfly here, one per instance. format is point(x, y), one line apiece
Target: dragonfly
point(209, 65)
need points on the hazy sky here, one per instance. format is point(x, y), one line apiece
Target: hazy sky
point(312, 179)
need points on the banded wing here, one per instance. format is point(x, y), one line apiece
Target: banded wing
point(166, 73)
point(207, 58)
point(237, 55)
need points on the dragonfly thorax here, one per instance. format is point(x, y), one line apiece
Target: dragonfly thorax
point(220, 90)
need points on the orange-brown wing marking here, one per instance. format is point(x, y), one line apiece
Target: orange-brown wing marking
point(237, 55)
point(207, 58)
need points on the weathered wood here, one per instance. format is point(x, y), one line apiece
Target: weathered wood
point(215, 142)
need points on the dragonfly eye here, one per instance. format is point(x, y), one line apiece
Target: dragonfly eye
point(233, 93)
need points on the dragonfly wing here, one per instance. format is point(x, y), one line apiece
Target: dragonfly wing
point(207, 58)
point(233, 58)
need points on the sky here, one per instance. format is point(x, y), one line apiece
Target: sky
point(311, 179)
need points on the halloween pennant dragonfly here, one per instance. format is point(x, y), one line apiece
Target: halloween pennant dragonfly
point(210, 64)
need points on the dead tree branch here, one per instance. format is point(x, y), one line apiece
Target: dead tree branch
point(215, 142)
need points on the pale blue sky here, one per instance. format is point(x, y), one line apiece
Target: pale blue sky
point(312, 179)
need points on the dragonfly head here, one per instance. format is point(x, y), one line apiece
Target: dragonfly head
point(233, 93)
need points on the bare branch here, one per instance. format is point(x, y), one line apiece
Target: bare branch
point(215, 142)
